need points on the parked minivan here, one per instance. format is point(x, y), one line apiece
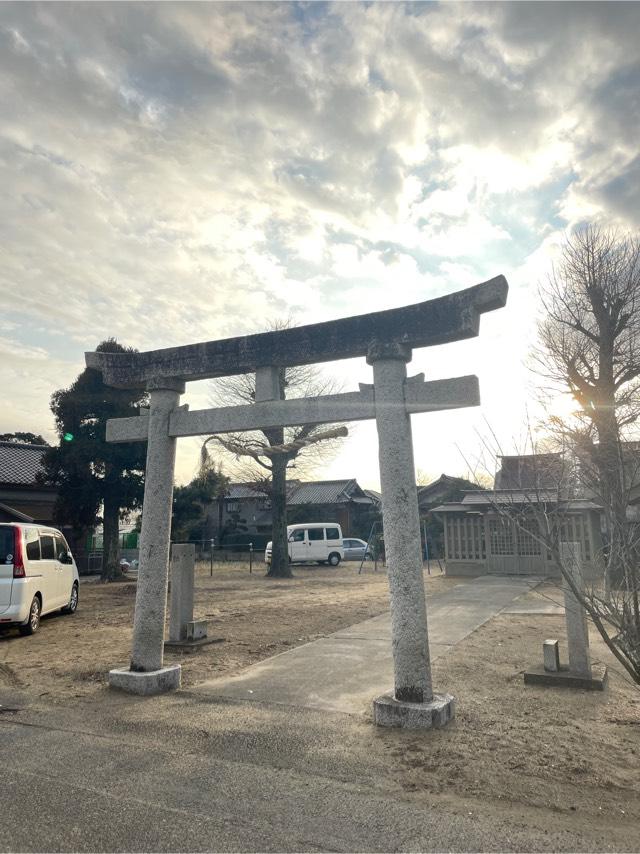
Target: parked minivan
point(37, 575)
point(320, 542)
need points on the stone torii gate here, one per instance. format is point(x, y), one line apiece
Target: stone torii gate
point(386, 339)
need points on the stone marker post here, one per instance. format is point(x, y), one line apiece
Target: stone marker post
point(183, 558)
point(146, 674)
point(575, 615)
point(413, 703)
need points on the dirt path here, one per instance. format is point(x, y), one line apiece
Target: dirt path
point(257, 617)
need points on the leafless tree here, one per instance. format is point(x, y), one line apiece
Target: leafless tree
point(264, 458)
point(590, 346)
point(539, 510)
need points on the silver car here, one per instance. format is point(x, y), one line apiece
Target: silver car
point(355, 549)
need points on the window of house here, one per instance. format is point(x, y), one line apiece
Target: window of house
point(316, 534)
point(232, 506)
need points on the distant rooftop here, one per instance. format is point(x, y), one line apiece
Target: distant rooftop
point(20, 463)
point(514, 498)
point(328, 492)
point(530, 471)
point(310, 492)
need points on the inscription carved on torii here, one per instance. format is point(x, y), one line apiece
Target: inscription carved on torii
point(386, 339)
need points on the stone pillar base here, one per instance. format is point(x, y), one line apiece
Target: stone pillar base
point(387, 711)
point(190, 645)
point(564, 678)
point(152, 682)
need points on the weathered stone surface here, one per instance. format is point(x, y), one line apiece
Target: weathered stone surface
point(386, 338)
point(387, 711)
point(268, 385)
point(438, 321)
point(420, 396)
point(151, 594)
point(412, 669)
point(183, 557)
point(191, 645)
point(564, 678)
point(196, 630)
point(575, 615)
point(551, 656)
point(151, 682)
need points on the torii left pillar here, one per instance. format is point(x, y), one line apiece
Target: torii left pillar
point(147, 675)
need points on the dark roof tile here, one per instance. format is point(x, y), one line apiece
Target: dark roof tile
point(20, 463)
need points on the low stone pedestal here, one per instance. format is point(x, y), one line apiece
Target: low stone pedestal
point(146, 683)
point(191, 645)
point(564, 678)
point(387, 711)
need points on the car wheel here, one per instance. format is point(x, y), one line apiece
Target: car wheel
point(334, 559)
point(73, 601)
point(33, 623)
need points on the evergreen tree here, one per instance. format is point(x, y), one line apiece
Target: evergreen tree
point(89, 472)
point(191, 503)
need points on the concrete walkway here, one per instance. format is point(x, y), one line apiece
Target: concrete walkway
point(344, 671)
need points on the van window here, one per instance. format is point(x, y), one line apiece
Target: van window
point(61, 547)
point(6, 544)
point(297, 536)
point(33, 544)
point(46, 547)
point(333, 534)
point(316, 533)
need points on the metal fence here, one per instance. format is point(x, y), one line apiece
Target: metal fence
point(212, 552)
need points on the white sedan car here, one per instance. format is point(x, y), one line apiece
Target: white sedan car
point(355, 549)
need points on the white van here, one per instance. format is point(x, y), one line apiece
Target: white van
point(37, 575)
point(320, 542)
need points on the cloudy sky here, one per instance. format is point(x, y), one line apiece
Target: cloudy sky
point(179, 172)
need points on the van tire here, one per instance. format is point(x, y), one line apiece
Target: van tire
point(334, 559)
point(73, 600)
point(33, 623)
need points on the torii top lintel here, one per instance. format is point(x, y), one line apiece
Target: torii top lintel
point(438, 321)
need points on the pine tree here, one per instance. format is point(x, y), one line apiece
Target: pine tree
point(90, 473)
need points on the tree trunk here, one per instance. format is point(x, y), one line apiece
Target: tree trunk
point(610, 466)
point(110, 541)
point(280, 567)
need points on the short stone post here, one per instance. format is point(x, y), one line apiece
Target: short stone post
point(413, 703)
point(551, 656)
point(575, 615)
point(579, 673)
point(183, 558)
point(147, 674)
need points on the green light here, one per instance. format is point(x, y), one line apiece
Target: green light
point(68, 437)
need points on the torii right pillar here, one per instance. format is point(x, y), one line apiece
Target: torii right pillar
point(412, 703)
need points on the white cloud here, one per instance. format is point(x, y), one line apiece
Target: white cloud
point(180, 172)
